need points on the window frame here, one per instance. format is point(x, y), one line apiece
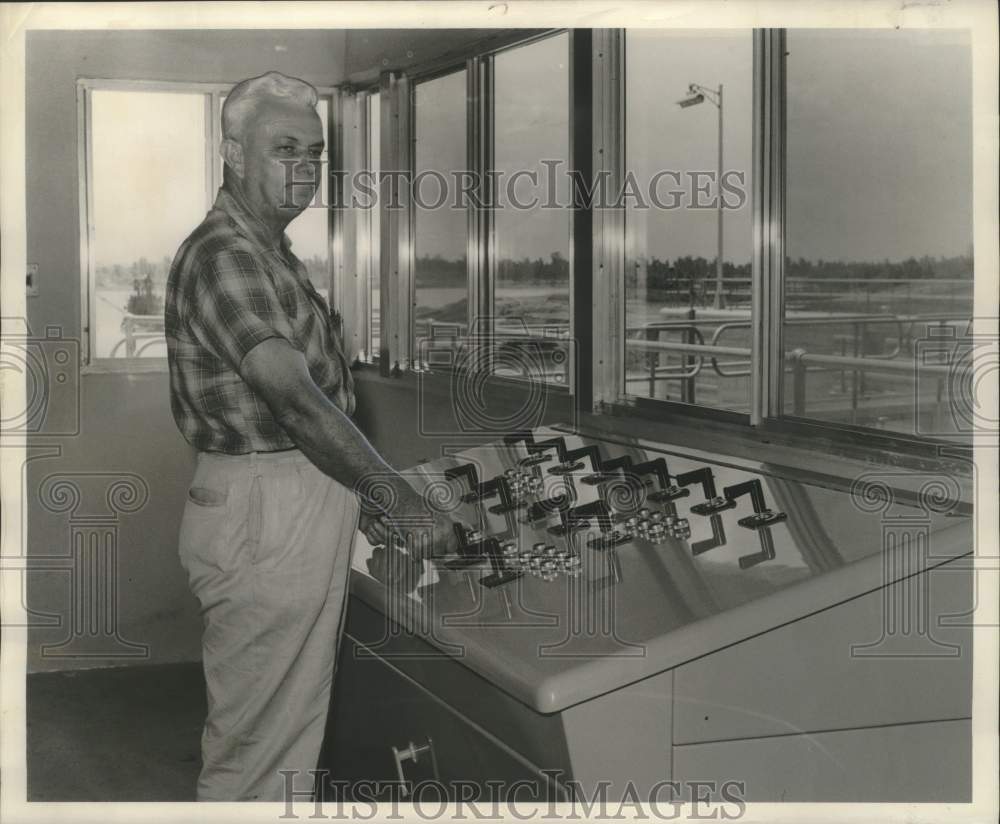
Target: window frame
point(212, 94)
point(768, 234)
point(396, 269)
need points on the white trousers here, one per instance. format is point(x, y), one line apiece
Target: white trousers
point(266, 541)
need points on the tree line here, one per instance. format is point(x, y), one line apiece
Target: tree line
point(435, 270)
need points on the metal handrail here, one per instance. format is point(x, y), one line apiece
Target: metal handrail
point(870, 364)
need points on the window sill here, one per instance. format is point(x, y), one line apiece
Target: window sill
point(442, 380)
point(132, 366)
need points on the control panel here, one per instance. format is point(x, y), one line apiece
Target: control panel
point(621, 558)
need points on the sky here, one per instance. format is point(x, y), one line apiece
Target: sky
point(879, 148)
point(148, 154)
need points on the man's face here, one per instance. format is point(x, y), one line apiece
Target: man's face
point(281, 166)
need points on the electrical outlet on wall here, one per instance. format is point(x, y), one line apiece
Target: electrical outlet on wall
point(32, 280)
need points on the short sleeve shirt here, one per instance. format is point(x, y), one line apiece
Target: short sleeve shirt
point(230, 288)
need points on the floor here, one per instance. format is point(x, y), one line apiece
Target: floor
point(125, 734)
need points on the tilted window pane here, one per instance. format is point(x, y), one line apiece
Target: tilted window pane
point(531, 227)
point(879, 227)
point(148, 193)
point(441, 290)
point(687, 283)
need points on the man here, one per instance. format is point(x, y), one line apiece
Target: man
point(260, 386)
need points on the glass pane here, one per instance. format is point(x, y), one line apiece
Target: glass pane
point(879, 227)
point(374, 223)
point(531, 235)
point(687, 280)
point(441, 293)
point(148, 189)
point(309, 232)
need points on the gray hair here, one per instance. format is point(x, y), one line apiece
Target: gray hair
point(242, 101)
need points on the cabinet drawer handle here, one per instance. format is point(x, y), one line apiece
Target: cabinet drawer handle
point(412, 752)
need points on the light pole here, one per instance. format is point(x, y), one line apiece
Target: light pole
point(698, 94)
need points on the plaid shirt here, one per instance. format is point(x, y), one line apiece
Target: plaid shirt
point(229, 289)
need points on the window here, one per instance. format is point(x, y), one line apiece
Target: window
point(687, 270)
point(441, 299)
point(804, 295)
point(531, 226)
point(151, 171)
point(879, 225)
point(146, 190)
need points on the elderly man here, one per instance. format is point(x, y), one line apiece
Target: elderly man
point(260, 386)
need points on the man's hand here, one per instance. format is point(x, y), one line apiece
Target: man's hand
point(418, 527)
point(373, 527)
point(399, 570)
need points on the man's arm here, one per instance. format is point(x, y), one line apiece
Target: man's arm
point(278, 373)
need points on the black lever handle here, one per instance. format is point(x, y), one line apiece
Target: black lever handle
point(541, 446)
point(762, 516)
point(578, 517)
point(668, 490)
point(591, 451)
point(713, 501)
point(482, 490)
point(471, 548)
point(507, 500)
point(766, 550)
point(608, 470)
point(557, 503)
point(718, 537)
point(501, 574)
point(467, 471)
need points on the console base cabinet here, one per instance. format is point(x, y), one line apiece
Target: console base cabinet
point(832, 707)
point(384, 727)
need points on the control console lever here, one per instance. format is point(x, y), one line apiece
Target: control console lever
point(718, 537)
point(762, 516)
point(608, 470)
point(467, 471)
point(668, 491)
point(501, 574)
point(471, 549)
point(538, 451)
point(540, 510)
point(766, 550)
point(508, 503)
point(571, 462)
point(713, 501)
point(578, 517)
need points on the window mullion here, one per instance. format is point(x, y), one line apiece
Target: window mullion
point(86, 206)
point(348, 283)
point(396, 223)
point(768, 225)
point(356, 160)
point(479, 161)
point(608, 269)
point(581, 351)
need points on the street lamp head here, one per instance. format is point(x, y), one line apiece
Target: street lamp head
point(693, 100)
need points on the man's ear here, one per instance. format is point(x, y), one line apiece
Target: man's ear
point(232, 155)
